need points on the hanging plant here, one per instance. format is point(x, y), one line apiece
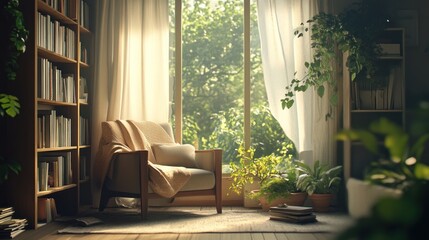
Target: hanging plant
point(14, 35)
point(354, 31)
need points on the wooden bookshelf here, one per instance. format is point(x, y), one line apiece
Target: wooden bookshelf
point(360, 110)
point(25, 143)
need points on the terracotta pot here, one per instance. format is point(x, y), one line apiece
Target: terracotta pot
point(321, 202)
point(295, 199)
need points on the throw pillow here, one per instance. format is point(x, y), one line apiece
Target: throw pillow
point(175, 155)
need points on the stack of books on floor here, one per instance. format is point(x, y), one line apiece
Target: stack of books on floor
point(10, 227)
point(292, 214)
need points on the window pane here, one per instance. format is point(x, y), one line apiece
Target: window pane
point(213, 74)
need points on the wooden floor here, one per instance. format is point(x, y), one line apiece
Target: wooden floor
point(49, 232)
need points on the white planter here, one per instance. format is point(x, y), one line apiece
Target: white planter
point(362, 196)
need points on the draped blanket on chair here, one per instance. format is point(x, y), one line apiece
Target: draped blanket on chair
point(126, 136)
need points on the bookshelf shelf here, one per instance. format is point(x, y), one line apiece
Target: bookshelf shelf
point(45, 53)
point(84, 30)
point(55, 103)
point(367, 100)
point(50, 138)
point(55, 189)
point(56, 149)
point(84, 65)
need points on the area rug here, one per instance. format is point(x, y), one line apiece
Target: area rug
point(204, 220)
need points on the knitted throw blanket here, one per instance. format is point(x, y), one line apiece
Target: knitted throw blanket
point(126, 136)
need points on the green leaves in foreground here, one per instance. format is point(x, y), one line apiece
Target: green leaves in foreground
point(7, 167)
point(398, 152)
point(9, 104)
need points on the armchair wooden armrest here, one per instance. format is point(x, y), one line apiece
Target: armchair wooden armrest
point(211, 160)
point(120, 163)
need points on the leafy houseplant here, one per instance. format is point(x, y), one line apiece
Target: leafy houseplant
point(275, 174)
point(355, 31)
point(399, 164)
point(320, 182)
point(250, 168)
point(400, 167)
point(281, 189)
point(320, 179)
point(400, 218)
point(14, 35)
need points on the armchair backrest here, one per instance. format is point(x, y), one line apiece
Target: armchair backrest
point(156, 132)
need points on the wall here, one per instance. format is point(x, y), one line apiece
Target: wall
point(417, 60)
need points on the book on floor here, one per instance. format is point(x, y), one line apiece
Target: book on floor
point(12, 228)
point(292, 210)
point(294, 220)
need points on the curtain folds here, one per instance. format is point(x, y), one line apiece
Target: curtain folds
point(131, 63)
point(283, 58)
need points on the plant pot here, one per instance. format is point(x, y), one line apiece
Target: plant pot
point(295, 199)
point(362, 196)
point(321, 202)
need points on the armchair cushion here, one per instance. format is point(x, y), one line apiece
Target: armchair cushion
point(175, 155)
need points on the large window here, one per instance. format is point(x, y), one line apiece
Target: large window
point(213, 79)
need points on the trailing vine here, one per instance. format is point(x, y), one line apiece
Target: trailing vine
point(12, 26)
point(13, 38)
point(354, 31)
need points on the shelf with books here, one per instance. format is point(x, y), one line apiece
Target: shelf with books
point(86, 72)
point(48, 88)
point(60, 13)
point(368, 99)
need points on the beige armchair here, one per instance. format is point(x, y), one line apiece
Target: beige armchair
point(141, 160)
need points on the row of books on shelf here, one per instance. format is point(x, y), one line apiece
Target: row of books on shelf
point(83, 53)
point(53, 84)
point(54, 170)
point(55, 37)
point(53, 130)
point(10, 227)
point(46, 210)
point(83, 90)
point(84, 14)
point(382, 93)
point(62, 6)
point(84, 131)
point(292, 214)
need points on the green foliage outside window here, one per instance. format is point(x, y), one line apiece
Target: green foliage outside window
point(213, 81)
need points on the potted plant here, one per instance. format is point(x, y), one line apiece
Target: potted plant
point(250, 169)
point(320, 182)
point(354, 30)
point(275, 174)
point(399, 166)
point(281, 189)
point(14, 35)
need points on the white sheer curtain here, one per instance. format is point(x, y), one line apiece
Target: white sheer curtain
point(131, 63)
point(283, 56)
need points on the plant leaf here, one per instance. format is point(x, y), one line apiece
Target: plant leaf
point(421, 171)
